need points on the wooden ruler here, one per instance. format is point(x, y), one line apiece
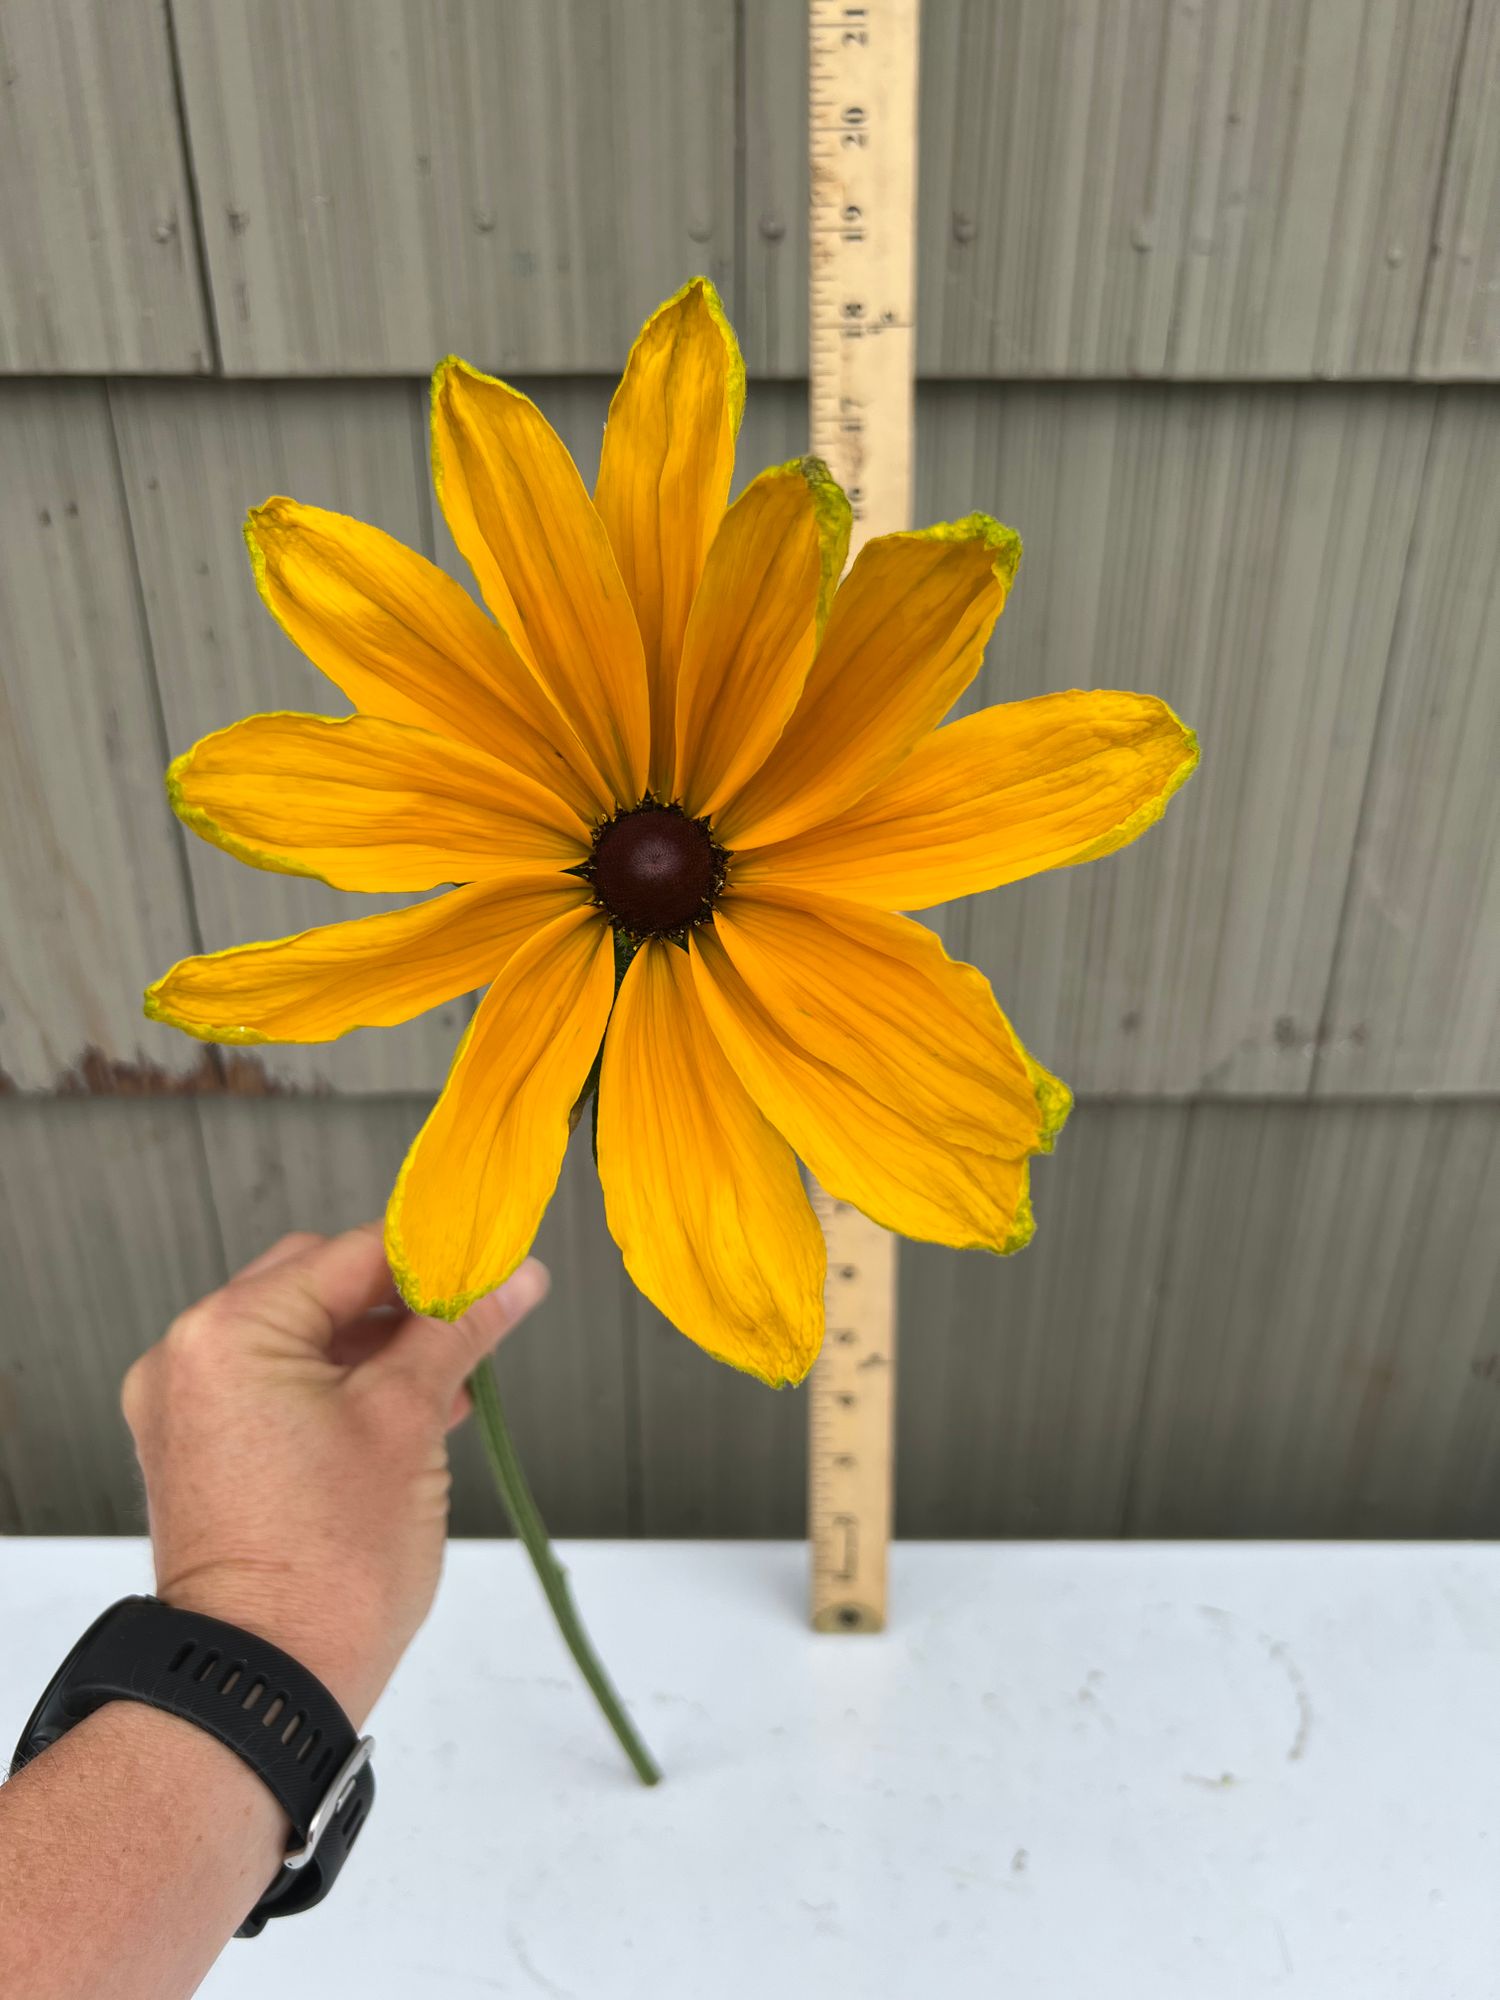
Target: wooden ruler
point(863, 149)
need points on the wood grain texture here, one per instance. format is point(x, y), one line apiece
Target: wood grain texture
point(523, 183)
point(771, 303)
point(98, 259)
point(1020, 1378)
point(1110, 187)
point(720, 1453)
point(1415, 1000)
point(1239, 552)
point(1328, 1355)
point(93, 897)
point(1460, 330)
point(281, 1164)
point(1236, 1318)
point(106, 1232)
point(1241, 189)
point(195, 457)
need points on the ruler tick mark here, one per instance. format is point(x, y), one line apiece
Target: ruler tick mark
point(862, 154)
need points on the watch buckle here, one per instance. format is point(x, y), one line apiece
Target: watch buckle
point(332, 1803)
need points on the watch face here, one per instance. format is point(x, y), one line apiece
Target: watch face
point(50, 1718)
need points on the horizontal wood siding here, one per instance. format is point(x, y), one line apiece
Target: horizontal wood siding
point(1236, 1318)
point(1327, 1357)
point(380, 184)
point(93, 892)
point(98, 256)
point(1208, 309)
point(195, 457)
point(107, 1231)
point(1460, 331)
point(1415, 1003)
point(1130, 187)
point(1239, 552)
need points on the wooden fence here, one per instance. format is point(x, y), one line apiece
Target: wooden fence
point(1209, 310)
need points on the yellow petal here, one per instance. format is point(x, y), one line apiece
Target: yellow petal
point(863, 1150)
point(366, 804)
point(877, 998)
point(664, 473)
point(703, 1198)
point(530, 533)
point(906, 635)
point(370, 973)
point(406, 642)
point(1007, 793)
point(482, 1169)
point(753, 627)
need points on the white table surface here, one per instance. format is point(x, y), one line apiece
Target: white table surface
point(1067, 1770)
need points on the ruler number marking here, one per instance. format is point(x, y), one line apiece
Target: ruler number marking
point(862, 94)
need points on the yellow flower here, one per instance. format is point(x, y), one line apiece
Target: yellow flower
point(674, 747)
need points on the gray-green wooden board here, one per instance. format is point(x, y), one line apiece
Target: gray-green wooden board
point(1258, 188)
point(381, 183)
point(194, 458)
point(98, 253)
point(1460, 330)
point(1278, 1318)
point(1415, 999)
point(1308, 574)
point(93, 890)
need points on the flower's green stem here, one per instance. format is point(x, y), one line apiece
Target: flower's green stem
point(530, 1529)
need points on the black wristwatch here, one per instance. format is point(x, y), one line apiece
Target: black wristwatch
point(256, 1699)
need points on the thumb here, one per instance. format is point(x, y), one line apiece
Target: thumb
point(435, 1355)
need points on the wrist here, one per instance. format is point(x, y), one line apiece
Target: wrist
point(309, 1626)
point(134, 1845)
point(153, 1755)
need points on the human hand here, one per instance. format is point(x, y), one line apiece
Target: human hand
point(292, 1432)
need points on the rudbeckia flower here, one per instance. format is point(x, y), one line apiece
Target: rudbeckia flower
point(684, 780)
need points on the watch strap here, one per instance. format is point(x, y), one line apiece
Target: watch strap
point(257, 1700)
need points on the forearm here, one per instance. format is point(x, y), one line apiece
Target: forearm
point(132, 1850)
point(292, 1432)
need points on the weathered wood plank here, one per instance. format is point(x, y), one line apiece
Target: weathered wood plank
point(282, 1164)
point(1021, 1377)
point(520, 183)
point(195, 457)
point(1326, 1361)
point(1129, 187)
point(1235, 1319)
point(1460, 333)
point(98, 260)
point(1240, 553)
point(93, 896)
point(106, 1232)
point(1244, 189)
point(1416, 994)
point(772, 312)
point(720, 1454)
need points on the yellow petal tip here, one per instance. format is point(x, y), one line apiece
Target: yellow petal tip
point(1023, 1225)
point(1054, 1101)
point(1003, 544)
point(835, 519)
point(416, 1296)
point(707, 293)
point(774, 1375)
point(175, 773)
point(253, 548)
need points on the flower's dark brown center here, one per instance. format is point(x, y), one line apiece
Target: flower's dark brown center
point(655, 871)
